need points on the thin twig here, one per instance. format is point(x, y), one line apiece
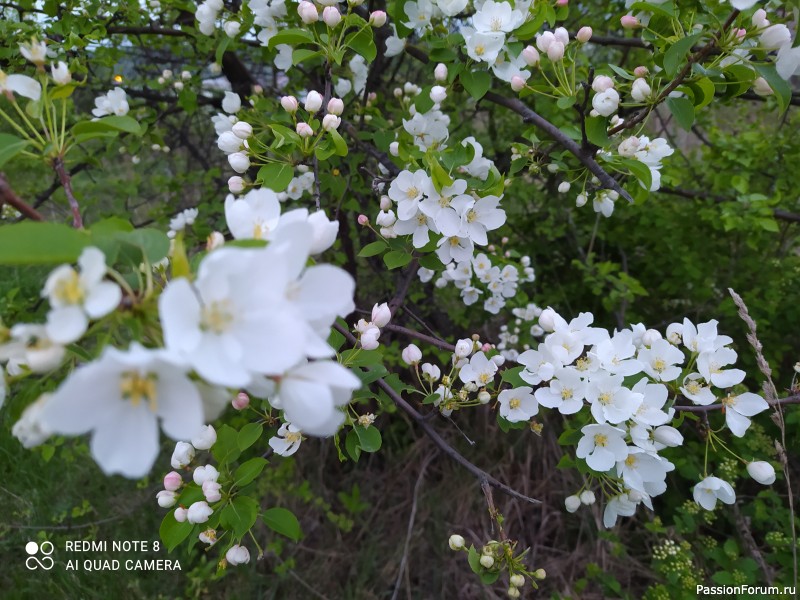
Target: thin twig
point(421, 336)
point(66, 183)
point(402, 291)
point(7, 196)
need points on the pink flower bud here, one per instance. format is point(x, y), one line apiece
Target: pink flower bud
point(331, 16)
point(629, 22)
point(331, 122)
point(172, 481)
point(335, 106)
point(308, 12)
point(241, 401)
point(486, 347)
point(181, 514)
point(289, 104)
point(562, 2)
point(381, 314)
point(211, 490)
point(641, 71)
point(386, 203)
point(304, 130)
point(440, 72)
point(517, 83)
point(531, 56)
point(377, 18)
point(741, 33)
point(363, 219)
point(584, 34)
point(236, 184)
point(166, 498)
point(602, 83)
point(438, 93)
point(555, 51)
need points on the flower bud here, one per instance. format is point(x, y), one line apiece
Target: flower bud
point(761, 87)
point(211, 490)
point(61, 74)
point(531, 56)
point(562, 2)
point(438, 93)
point(540, 574)
point(547, 320)
point(762, 472)
point(555, 51)
point(440, 72)
point(641, 71)
point(517, 580)
point(584, 34)
point(205, 438)
point(214, 240)
point(236, 184)
point(484, 397)
point(602, 83)
point(377, 18)
point(394, 148)
point(760, 19)
point(289, 104)
point(241, 401)
point(232, 28)
point(517, 83)
point(313, 101)
point(242, 130)
point(335, 106)
point(650, 337)
point(180, 514)
point(431, 372)
point(205, 473)
point(572, 503)
point(513, 592)
point(199, 512)
point(369, 339)
point(487, 562)
point(304, 130)
point(363, 219)
point(239, 162)
point(172, 481)
point(640, 91)
point(229, 142)
point(308, 12)
point(498, 359)
point(629, 22)
point(331, 122)
point(237, 555)
point(182, 455)
point(463, 348)
point(587, 497)
point(456, 542)
point(411, 354)
point(166, 498)
point(331, 16)
point(381, 314)
point(386, 203)
point(563, 187)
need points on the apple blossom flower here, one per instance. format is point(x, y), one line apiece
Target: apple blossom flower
point(610, 400)
point(35, 51)
point(313, 101)
point(761, 471)
point(377, 18)
point(660, 359)
point(330, 122)
point(479, 370)
point(182, 455)
point(114, 102)
point(237, 555)
point(572, 503)
point(253, 216)
point(209, 536)
point(456, 542)
point(166, 498)
point(29, 347)
point(640, 91)
point(618, 506)
point(239, 162)
point(199, 512)
point(483, 47)
point(565, 392)
point(710, 364)
point(212, 491)
point(120, 398)
point(289, 104)
point(411, 354)
point(738, 409)
point(518, 404)
point(23, 85)
point(75, 297)
point(172, 481)
point(431, 372)
point(602, 446)
point(606, 103)
point(584, 34)
point(205, 438)
point(180, 514)
point(29, 429)
point(775, 37)
point(205, 473)
point(707, 492)
point(287, 441)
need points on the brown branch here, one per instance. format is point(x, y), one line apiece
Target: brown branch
point(381, 157)
point(673, 85)
point(398, 299)
point(437, 439)
point(585, 157)
point(66, 183)
point(150, 30)
point(7, 196)
point(421, 336)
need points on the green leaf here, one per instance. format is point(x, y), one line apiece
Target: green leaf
point(640, 170)
point(369, 438)
point(621, 72)
point(111, 123)
point(566, 102)
point(351, 445)
point(40, 243)
point(249, 470)
point(291, 37)
point(667, 9)
point(570, 437)
point(276, 176)
point(372, 249)
point(361, 41)
point(10, 146)
point(597, 131)
point(248, 435)
point(240, 515)
point(396, 259)
point(172, 532)
point(474, 560)
point(282, 521)
point(683, 110)
point(477, 83)
point(223, 46)
point(153, 243)
point(338, 142)
point(783, 93)
point(703, 91)
point(527, 30)
point(675, 54)
point(226, 448)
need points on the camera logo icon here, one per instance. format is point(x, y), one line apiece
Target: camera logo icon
point(33, 561)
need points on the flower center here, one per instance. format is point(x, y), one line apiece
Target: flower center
point(566, 393)
point(497, 24)
point(293, 437)
point(659, 365)
point(471, 215)
point(412, 193)
point(631, 460)
point(600, 440)
point(136, 388)
point(693, 387)
point(69, 289)
point(484, 378)
point(604, 398)
point(480, 49)
point(729, 401)
point(514, 404)
point(216, 316)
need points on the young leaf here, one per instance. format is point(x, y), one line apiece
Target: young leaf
point(282, 521)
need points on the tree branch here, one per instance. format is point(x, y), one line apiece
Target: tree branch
point(66, 183)
point(794, 399)
point(778, 213)
point(7, 196)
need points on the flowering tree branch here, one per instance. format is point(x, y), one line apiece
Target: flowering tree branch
point(793, 399)
point(7, 196)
